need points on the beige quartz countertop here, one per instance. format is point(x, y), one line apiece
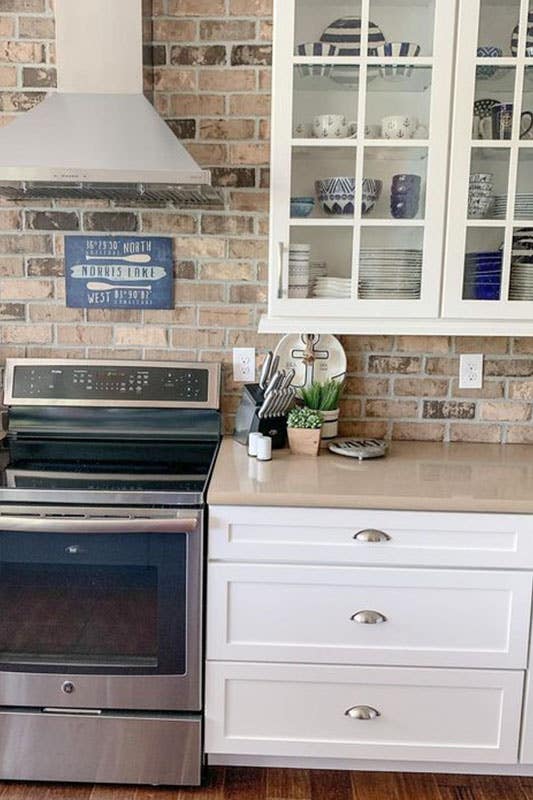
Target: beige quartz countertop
point(418, 476)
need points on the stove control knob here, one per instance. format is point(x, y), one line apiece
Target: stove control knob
point(67, 687)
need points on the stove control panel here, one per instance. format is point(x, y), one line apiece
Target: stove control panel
point(108, 383)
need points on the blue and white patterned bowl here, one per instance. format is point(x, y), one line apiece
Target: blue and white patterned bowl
point(346, 34)
point(320, 49)
point(403, 49)
point(529, 37)
point(336, 195)
point(302, 206)
point(394, 72)
point(490, 51)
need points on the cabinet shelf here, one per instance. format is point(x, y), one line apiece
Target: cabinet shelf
point(418, 81)
point(375, 149)
point(374, 143)
point(321, 222)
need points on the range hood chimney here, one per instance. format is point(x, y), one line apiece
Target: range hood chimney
point(98, 136)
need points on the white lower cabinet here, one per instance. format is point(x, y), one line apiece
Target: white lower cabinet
point(367, 636)
point(422, 714)
point(350, 615)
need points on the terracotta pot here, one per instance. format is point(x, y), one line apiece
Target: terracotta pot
point(304, 441)
point(330, 426)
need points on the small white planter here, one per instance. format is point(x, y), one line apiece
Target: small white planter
point(330, 426)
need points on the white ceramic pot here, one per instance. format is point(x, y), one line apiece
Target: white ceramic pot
point(330, 426)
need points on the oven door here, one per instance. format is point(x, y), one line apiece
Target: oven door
point(100, 611)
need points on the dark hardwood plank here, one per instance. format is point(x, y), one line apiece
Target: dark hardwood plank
point(526, 784)
point(288, 784)
point(244, 783)
point(374, 786)
point(212, 788)
point(330, 785)
point(417, 786)
point(235, 783)
point(10, 790)
point(462, 792)
point(494, 787)
point(111, 793)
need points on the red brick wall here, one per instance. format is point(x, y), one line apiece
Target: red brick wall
point(212, 84)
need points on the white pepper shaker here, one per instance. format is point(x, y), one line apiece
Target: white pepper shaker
point(264, 449)
point(253, 442)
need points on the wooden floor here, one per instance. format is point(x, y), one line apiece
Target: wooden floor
point(278, 784)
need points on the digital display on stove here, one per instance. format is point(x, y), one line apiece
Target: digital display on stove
point(133, 383)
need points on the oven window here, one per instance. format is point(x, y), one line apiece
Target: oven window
point(90, 617)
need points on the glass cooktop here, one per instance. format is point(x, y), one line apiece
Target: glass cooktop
point(127, 471)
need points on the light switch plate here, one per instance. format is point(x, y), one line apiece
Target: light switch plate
point(471, 371)
point(244, 364)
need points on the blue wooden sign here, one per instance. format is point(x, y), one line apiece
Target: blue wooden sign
point(119, 271)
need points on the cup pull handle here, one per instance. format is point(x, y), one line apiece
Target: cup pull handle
point(370, 535)
point(362, 712)
point(368, 617)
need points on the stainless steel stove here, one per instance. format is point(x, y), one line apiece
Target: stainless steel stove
point(103, 474)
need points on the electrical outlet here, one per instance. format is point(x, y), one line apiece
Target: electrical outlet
point(471, 372)
point(244, 364)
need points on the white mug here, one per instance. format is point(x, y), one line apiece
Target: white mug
point(333, 126)
point(399, 127)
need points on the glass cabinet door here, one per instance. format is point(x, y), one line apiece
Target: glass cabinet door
point(361, 105)
point(489, 253)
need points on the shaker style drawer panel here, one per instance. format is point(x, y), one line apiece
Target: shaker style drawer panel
point(350, 615)
point(357, 712)
point(411, 538)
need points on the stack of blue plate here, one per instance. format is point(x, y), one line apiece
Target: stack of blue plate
point(483, 275)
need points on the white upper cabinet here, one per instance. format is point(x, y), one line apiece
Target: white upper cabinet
point(360, 144)
point(400, 196)
point(489, 264)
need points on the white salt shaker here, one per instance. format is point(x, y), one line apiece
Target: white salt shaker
point(264, 449)
point(253, 442)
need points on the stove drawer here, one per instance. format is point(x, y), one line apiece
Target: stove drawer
point(64, 548)
point(100, 748)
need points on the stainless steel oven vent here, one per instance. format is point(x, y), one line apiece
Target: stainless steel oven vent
point(99, 136)
point(186, 196)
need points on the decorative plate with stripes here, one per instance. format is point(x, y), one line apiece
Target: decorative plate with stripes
point(346, 34)
point(529, 38)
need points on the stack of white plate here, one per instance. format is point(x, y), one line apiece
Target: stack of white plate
point(390, 274)
point(499, 207)
point(299, 269)
point(523, 207)
point(332, 287)
point(521, 287)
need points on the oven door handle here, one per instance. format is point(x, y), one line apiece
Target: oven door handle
point(116, 525)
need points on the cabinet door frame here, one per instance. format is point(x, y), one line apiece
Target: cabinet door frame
point(428, 305)
point(460, 154)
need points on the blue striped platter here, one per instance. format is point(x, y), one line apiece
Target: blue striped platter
point(529, 38)
point(345, 33)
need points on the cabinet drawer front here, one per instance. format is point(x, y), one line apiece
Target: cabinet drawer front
point(424, 715)
point(367, 615)
point(330, 536)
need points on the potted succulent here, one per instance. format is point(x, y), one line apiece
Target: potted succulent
point(325, 397)
point(303, 429)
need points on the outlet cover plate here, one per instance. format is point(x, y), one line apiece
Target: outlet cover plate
point(244, 364)
point(471, 371)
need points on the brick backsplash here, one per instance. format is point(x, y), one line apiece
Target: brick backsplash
point(212, 84)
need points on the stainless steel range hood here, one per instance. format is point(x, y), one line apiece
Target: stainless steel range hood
point(98, 136)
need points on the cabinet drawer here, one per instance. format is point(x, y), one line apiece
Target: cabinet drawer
point(313, 614)
point(424, 714)
point(330, 536)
